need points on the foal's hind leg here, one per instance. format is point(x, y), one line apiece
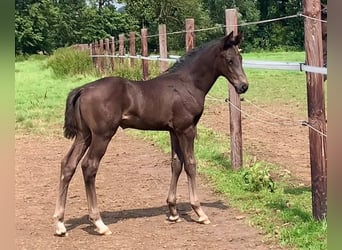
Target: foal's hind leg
point(186, 141)
point(68, 167)
point(90, 165)
point(176, 167)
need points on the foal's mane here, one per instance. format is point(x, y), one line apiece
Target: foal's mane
point(190, 55)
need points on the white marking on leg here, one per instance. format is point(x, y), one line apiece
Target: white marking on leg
point(101, 228)
point(174, 218)
point(60, 229)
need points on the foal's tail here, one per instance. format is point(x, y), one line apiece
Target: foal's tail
point(70, 126)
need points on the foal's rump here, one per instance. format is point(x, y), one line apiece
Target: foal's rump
point(94, 105)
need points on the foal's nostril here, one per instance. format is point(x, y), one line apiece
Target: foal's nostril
point(243, 88)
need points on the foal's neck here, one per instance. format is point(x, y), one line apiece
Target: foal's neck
point(203, 73)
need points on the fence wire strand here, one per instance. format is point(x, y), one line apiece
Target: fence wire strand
point(299, 14)
point(290, 122)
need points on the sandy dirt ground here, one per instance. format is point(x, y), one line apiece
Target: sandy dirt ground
point(132, 185)
point(267, 137)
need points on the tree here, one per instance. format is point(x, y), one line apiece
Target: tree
point(44, 25)
point(33, 21)
point(284, 34)
point(151, 13)
point(67, 29)
point(247, 12)
point(99, 24)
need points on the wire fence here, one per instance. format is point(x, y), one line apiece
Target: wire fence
point(299, 14)
point(297, 66)
point(286, 121)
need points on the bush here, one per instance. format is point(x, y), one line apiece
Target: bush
point(69, 62)
point(257, 177)
point(125, 70)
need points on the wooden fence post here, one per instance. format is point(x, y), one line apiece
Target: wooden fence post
point(122, 47)
point(107, 52)
point(96, 52)
point(93, 53)
point(316, 109)
point(132, 50)
point(190, 34)
point(144, 52)
point(234, 98)
point(162, 47)
point(101, 59)
point(113, 53)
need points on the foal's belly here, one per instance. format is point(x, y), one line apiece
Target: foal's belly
point(144, 123)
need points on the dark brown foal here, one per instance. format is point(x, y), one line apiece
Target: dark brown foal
point(173, 102)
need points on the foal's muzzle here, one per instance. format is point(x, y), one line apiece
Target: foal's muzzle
point(242, 88)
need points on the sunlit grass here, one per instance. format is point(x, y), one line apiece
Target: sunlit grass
point(40, 96)
point(294, 56)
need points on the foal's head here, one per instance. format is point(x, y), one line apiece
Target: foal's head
point(230, 62)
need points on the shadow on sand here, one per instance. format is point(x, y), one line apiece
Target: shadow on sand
point(112, 217)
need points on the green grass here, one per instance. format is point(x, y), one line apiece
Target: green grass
point(270, 87)
point(284, 214)
point(40, 96)
point(295, 56)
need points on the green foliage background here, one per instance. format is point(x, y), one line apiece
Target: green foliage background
point(45, 25)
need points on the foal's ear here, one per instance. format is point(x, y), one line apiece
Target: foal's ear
point(324, 11)
point(239, 38)
point(231, 40)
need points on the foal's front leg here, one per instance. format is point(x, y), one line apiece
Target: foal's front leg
point(186, 141)
point(176, 167)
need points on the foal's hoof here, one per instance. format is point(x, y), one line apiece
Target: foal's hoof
point(174, 219)
point(101, 228)
point(60, 229)
point(104, 232)
point(204, 221)
point(61, 234)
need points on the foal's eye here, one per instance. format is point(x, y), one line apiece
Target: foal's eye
point(230, 62)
